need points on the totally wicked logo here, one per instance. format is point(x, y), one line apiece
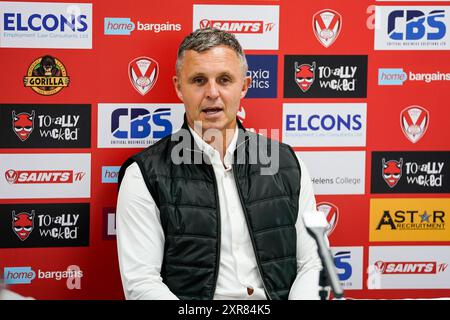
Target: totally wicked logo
point(143, 73)
point(414, 122)
point(409, 219)
point(325, 76)
point(44, 225)
point(410, 172)
point(45, 126)
point(331, 212)
point(327, 25)
point(46, 76)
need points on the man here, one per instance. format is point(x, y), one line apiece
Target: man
point(197, 218)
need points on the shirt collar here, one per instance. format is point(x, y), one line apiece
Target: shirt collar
point(211, 152)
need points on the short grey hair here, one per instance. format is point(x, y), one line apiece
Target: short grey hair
point(205, 39)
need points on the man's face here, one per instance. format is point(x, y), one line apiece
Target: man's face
point(211, 85)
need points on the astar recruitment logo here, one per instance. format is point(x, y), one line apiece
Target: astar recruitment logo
point(46, 76)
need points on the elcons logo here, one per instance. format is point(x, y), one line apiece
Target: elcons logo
point(412, 28)
point(45, 175)
point(143, 73)
point(327, 25)
point(325, 76)
point(45, 126)
point(109, 223)
point(124, 26)
point(331, 212)
point(46, 25)
point(46, 76)
point(410, 267)
point(256, 27)
point(263, 71)
point(411, 172)
point(136, 125)
point(409, 219)
point(324, 124)
point(396, 77)
point(414, 122)
point(44, 225)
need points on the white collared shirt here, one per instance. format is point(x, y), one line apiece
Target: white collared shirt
point(140, 238)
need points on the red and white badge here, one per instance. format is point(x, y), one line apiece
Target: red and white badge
point(414, 122)
point(143, 73)
point(327, 25)
point(331, 212)
point(11, 176)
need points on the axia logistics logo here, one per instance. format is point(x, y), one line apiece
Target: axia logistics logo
point(256, 27)
point(327, 25)
point(25, 275)
point(325, 76)
point(409, 219)
point(128, 126)
point(46, 25)
point(46, 76)
point(124, 26)
point(45, 126)
point(410, 172)
point(397, 76)
point(263, 71)
point(44, 225)
point(412, 28)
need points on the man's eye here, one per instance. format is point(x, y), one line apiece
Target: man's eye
point(225, 80)
point(198, 81)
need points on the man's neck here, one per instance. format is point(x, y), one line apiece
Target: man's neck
point(219, 140)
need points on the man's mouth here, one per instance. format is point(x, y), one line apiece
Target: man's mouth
point(211, 111)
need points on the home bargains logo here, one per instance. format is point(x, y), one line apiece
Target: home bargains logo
point(397, 76)
point(124, 26)
point(46, 25)
point(325, 76)
point(256, 27)
point(412, 28)
point(45, 176)
point(45, 126)
point(44, 225)
point(410, 172)
point(409, 219)
point(46, 76)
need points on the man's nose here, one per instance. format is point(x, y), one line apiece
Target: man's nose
point(212, 90)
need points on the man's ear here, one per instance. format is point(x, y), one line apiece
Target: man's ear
point(177, 86)
point(245, 86)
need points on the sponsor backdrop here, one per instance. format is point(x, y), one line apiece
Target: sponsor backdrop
point(359, 89)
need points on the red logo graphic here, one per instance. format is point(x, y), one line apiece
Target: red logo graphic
point(409, 267)
point(305, 75)
point(237, 26)
point(143, 73)
point(414, 122)
point(43, 176)
point(331, 212)
point(392, 171)
point(327, 25)
point(23, 124)
point(23, 224)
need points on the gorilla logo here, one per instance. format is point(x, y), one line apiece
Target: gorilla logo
point(46, 76)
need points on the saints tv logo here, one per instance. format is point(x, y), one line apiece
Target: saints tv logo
point(46, 76)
